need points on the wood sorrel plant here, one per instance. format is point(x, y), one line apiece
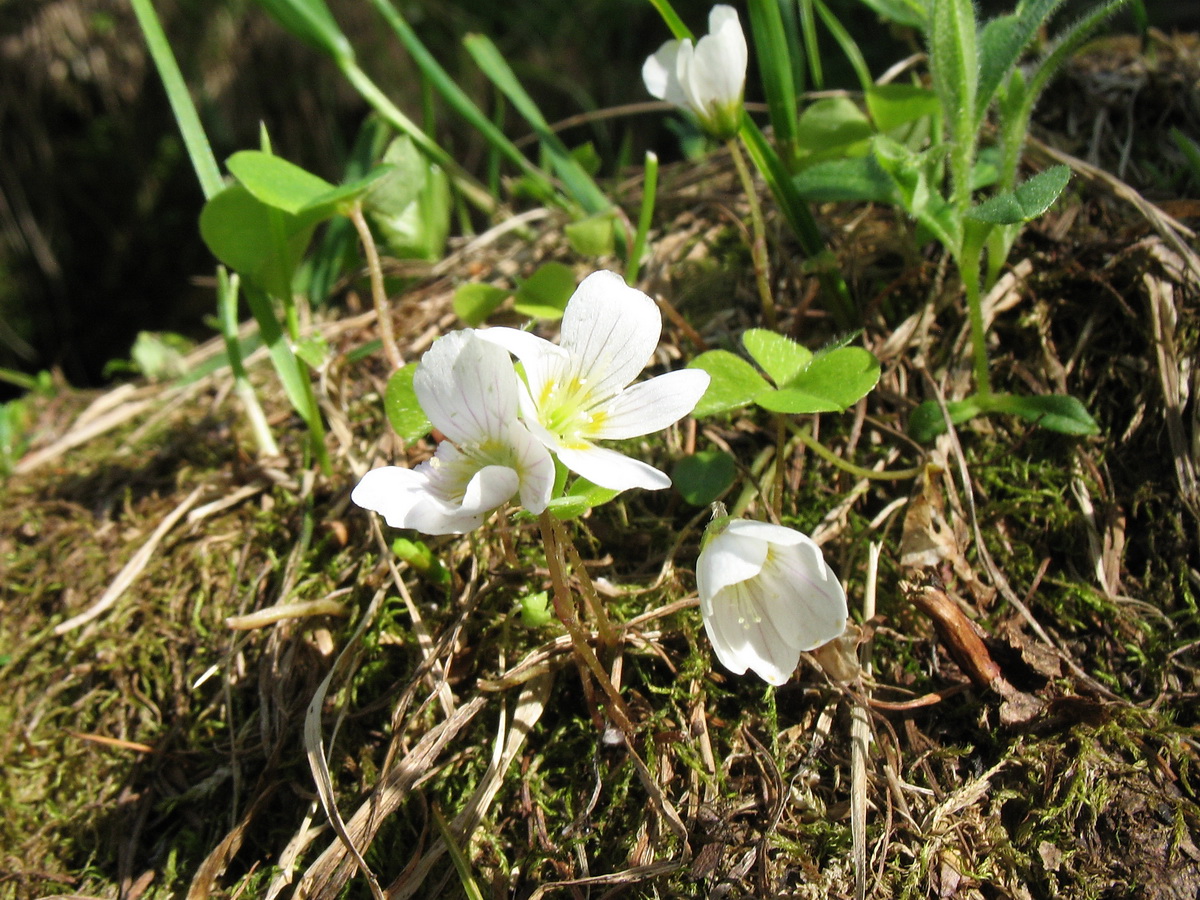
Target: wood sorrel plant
point(520, 436)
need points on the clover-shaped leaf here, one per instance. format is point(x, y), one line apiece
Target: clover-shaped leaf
point(704, 476)
point(829, 381)
point(735, 383)
point(834, 381)
point(782, 359)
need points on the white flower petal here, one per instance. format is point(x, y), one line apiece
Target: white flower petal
point(390, 491)
point(536, 468)
point(815, 604)
point(406, 499)
point(744, 639)
point(544, 362)
point(652, 405)
point(467, 387)
point(765, 531)
point(610, 331)
point(711, 83)
point(658, 73)
point(729, 54)
point(611, 469)
point(488, 488)
point(726, 560)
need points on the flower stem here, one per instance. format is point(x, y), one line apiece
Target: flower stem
point(603, 623)
point(804, 435)
point(227, 300)
point(565, 608)
point(758, 242)
point(378, 295)
point(780, 460)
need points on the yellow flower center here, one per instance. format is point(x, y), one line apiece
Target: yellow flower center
point(568, 410)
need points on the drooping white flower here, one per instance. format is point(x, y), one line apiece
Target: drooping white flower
point(766, 596)
point(468, 389)
point(708, 78)
point(577, 392)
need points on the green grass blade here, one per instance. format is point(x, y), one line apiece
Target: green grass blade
point(779, 180)
point(667, 11)
point(313, 23)
point(798, 217)
point(849, 47)
point(812, 49)
point(227, 303)
point(194, 138)
point(775, 69)
point(457, 99)
point(579, 185)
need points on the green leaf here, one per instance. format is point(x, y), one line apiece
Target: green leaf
point(275, 181)
point(545, 293)
point(734, 383)
point(419, 229)
point(1055, 412)
point(535, 610)
point(834, 123)
point(403, 410)
point(1025, 203)
point(704, 476)
point(581, 497)
point(239, 230)
point(314, 351)
point(858, 178)
point(1001, 43)
point(593, 236)
point(833, 382)
point(474, 302)
point(909, 13)
point(926, 422)
point(781, 358)
point(893, 105)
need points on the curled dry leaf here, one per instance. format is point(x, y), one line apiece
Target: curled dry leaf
point(965, 642)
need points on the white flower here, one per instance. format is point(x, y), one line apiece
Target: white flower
point(766, 596)
point(709, 78)
point(576, 393)
point(468, 389)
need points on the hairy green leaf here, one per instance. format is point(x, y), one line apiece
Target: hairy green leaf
point(1025, 203)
